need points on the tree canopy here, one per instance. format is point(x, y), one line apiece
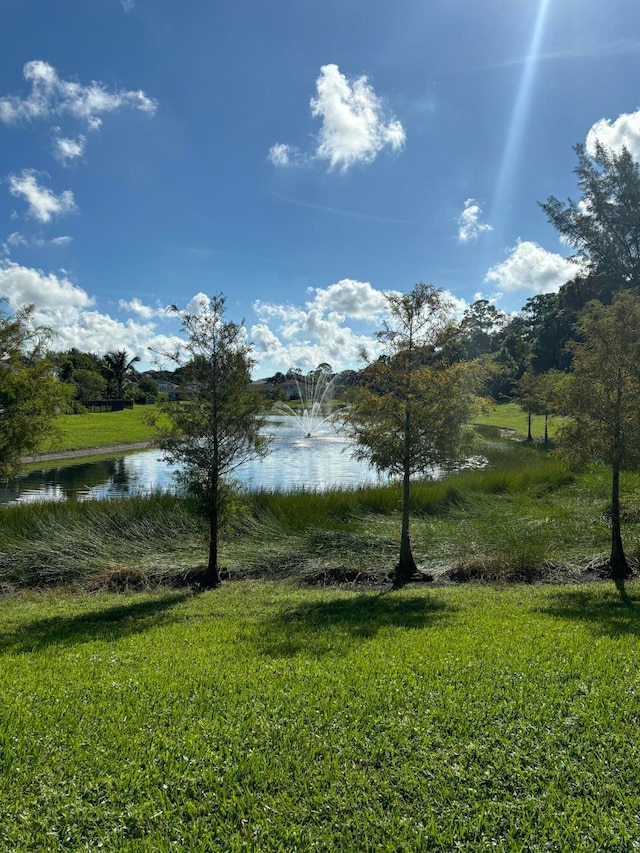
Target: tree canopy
point(603, 225)
point(30, 394)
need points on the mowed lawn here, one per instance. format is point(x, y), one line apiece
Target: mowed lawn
point(262, 717)
point(98, 429)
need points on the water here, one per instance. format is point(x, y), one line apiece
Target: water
point(295, 460)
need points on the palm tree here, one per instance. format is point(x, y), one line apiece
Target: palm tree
point(120, 368)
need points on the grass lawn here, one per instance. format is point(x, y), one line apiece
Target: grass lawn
point(511, 416)
point(262, 717)
point(99, 429)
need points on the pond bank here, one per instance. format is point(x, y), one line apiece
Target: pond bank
point(82, 452)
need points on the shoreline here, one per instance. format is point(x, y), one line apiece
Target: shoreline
point(81, 452)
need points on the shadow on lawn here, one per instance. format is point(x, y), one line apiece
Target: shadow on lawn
point(327, 627)
point(109, 623)
point(607, 610)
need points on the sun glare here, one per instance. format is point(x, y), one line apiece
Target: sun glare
point(521, 108)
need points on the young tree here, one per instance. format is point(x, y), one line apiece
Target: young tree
point(411, 411)
point(602, 396)
point(119, 369)
point(30, 395)
point(218, 425)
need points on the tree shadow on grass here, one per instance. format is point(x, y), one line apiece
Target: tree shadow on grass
point(105, 623)
point(329, 627)
point(607, 610)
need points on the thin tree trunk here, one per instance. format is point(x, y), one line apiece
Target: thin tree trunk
point(406, 564)
point(617, 561)
point(212, 576)
point(529, 436)
point(546, 429)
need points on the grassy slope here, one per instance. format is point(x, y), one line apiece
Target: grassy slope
point(511, 416)
point(99, 429)
point(263, 718)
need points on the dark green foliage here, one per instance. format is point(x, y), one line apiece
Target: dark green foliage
point(604, 225)
point(120, 371)
point(30, 395)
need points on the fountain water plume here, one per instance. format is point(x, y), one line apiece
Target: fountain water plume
point(315, 392)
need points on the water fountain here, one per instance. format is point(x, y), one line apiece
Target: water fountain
point(315, 393)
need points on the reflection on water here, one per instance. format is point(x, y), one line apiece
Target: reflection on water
point(294, 461)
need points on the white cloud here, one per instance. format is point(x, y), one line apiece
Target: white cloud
point(24, 285)
point(65, 150)
point(284, 155)
point(531, 268)
point(70, 311)
point(50, 95)
point(351, 298)
point(354, 128)
point(136, 306)
point(470, 224)
point(289, 335)
point(127, 5)
point(622, 132)
point(43, 203)
point(16, 239)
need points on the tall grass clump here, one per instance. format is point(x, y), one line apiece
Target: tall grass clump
point(42, 544)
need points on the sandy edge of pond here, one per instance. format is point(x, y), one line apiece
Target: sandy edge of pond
point(82, 452)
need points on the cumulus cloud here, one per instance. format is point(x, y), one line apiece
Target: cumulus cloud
point(530, 267)
point(51, 95)
point(287, 335)
point(334, 325)
point(23, 285)
point(43, 203)
point(355, 127)
point(71, 312)
point(622, 132)
point(136, 306)
point(470, 224)
point(351, 298)
point(65, 150)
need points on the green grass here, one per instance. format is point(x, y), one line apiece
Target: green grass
point(266, 718)
point(510, 416)
point(99, 429)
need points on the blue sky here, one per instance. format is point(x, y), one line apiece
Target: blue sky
point(302, 158)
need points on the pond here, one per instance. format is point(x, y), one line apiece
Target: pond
point(295, 460)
